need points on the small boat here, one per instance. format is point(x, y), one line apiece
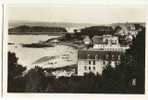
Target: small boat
point(10, 43)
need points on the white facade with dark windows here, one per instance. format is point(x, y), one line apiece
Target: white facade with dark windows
point(107, 43)
point(94, 61)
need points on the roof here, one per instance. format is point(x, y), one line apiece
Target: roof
point(97, 39)
point(55, 41)
point(98, 54)
point(87, 39)
point(100, 39)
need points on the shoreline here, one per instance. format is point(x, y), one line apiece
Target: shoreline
point(39, 34)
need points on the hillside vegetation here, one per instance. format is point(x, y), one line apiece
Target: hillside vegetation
point(34, 29)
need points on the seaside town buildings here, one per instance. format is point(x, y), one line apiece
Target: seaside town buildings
point(105, 50)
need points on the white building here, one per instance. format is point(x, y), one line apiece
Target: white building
point(87, 40)
point(107, 43)
point(95, 60)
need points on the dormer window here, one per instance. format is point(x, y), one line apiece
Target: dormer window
point(88, 56)
point(114, 42)
point(106, 41)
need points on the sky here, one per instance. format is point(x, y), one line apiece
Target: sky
point(76, 13)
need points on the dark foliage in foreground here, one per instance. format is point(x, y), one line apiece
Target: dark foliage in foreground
point(16, 81)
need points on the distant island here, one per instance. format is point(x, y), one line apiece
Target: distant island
point(69, 26)
point(25, 29)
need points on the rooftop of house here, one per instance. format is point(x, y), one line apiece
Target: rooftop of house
point(103, 39)
point(98, 54)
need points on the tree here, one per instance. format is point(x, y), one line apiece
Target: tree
point(77, 34)
point(35, 80)
point(132, 67)
point(97, 30)
point(112, 80)
point(137, 51)
point(15, 71)
point(129, 76)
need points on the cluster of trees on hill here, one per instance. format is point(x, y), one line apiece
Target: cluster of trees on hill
point(103, 30)
point(89, 31)
point(128, 77)
point(25, 28)
point(92, 31)
point(97, 30)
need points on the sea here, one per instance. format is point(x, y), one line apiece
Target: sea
point(62, 55)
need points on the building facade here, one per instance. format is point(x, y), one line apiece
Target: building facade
point(95, 61)
point(108, 43)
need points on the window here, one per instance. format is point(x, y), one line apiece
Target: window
point(114, 42)
point(88, 56)
point(94, 62)
point(117, 62)
point(89, 68)
point(94, 68)
point(89, 62)
point(106, 41)
point(134, 82)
